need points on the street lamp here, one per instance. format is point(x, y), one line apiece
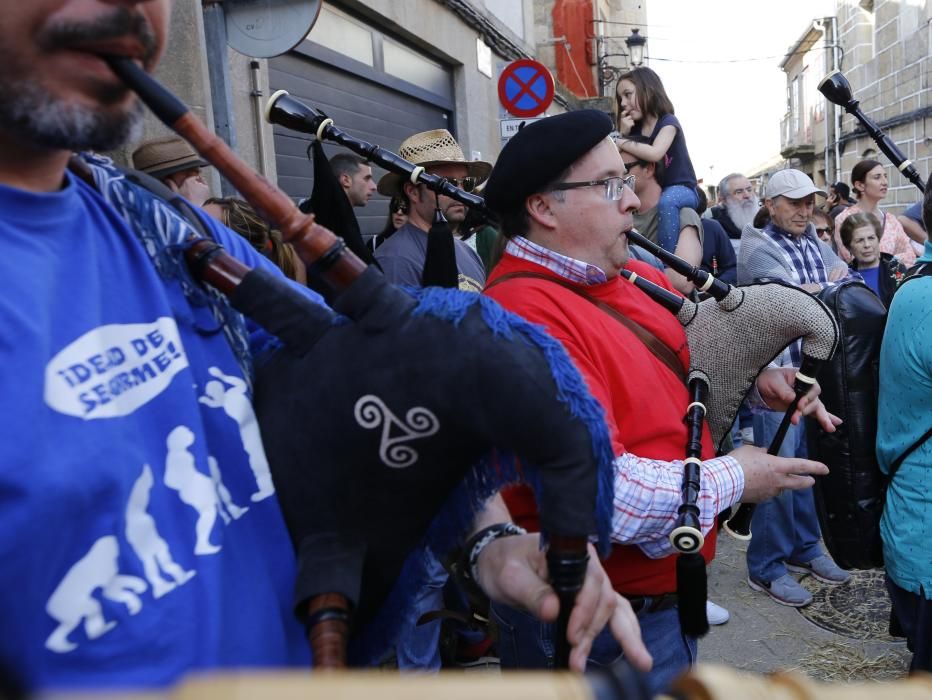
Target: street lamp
point(635, 44)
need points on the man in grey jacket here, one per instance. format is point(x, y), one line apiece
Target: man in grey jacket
point(786, 529)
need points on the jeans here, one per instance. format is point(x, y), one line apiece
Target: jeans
point(526, 643)
point(418, 646)
point(672, 199)
point(786, 527)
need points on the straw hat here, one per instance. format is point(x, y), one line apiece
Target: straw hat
point(162, 157)
point(430, 148)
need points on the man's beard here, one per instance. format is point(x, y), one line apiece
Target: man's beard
point(741, 212)
point(28, 110)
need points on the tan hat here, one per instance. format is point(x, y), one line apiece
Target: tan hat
point(162, 157)
point(430, 148)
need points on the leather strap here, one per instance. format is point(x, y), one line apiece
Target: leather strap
point(652, 603)
point(656, 346)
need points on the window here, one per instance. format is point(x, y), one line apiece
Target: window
point(339, 32)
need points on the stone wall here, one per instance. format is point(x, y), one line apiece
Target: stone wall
point(887, 63)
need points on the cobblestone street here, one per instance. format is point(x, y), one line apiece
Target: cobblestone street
point(764, 636)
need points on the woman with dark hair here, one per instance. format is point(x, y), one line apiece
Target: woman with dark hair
point(238, 216)
point(839, 199)
point(397, 217)
point(869, 180)
point(861, 234)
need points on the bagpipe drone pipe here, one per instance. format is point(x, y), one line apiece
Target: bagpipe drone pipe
point(374, 464)
point(850, 498)
point(732, 335)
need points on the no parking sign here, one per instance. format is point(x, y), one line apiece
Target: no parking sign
point(525, 88)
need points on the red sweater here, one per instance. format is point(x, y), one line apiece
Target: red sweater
point(644, 401)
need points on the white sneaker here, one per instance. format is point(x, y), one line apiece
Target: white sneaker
point(716, 613)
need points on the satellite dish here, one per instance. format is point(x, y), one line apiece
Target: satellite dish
point(267, 28)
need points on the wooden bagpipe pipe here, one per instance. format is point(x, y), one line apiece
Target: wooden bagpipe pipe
point(764, 319)
point(390, 420)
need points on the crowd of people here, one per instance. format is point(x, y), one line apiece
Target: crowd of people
point(144, 540)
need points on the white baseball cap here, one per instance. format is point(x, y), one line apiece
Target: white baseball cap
point(790, 183)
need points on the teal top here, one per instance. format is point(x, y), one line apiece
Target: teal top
point(904, 414)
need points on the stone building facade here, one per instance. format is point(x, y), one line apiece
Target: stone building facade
point(887, 61)
point(882, 47)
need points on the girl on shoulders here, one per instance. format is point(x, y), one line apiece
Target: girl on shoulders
point(643, 108)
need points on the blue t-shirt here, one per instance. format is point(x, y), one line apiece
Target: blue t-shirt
point(402, 259)
point(139, 532)
point(871, 276)
point(904, 413)
point(678, 168)
point(914, 212)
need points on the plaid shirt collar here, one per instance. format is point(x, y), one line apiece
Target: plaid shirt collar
point(569, 268)
point(801, 251)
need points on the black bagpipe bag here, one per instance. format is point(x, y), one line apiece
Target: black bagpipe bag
point(849, 499)
point(386, 434)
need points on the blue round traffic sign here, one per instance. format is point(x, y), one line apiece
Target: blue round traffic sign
point(525, 88)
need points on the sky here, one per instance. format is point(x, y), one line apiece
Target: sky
point(722, 74)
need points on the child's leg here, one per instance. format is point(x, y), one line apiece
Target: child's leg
point(672, 199)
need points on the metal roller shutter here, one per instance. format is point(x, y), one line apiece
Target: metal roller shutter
point(359, 106)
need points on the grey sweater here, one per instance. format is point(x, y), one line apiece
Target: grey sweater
point(760, 257)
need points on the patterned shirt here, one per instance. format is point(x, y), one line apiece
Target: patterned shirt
point(804, 266)
point(566, 267)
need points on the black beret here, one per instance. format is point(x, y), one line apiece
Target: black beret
point(539, 152)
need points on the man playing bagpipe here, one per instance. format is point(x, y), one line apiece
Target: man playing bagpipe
point(141, 537)
point(565, 203)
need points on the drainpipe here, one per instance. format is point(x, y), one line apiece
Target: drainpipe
point(836, 108)
point(820, 25)
point(221, 96)
point(258, 114)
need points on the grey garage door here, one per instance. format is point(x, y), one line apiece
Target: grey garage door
point(362, 107)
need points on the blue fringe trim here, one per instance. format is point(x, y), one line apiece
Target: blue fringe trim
point(491, 472)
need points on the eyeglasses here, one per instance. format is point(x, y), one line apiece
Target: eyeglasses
point(402, 209)
point(826, 229)
point(467, 184)
point(613, 186)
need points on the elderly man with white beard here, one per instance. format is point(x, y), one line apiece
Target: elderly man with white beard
point(738, 206)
